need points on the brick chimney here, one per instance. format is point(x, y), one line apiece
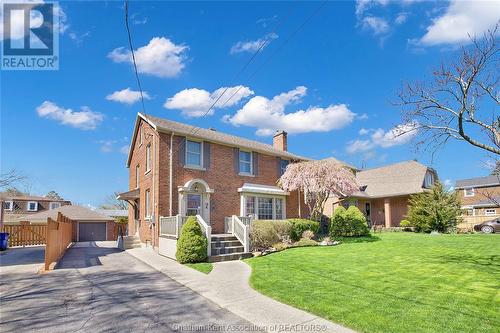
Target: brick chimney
point(279, 140)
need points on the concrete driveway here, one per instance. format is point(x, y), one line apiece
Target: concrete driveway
point(99, 288)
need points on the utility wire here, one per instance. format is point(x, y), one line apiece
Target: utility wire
point(133, 56)
point(280, 47)
point(264, 43)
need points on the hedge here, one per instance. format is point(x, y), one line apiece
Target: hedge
point(265, 233)
point(349, 222)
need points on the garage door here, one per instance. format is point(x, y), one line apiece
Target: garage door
point(95, 231)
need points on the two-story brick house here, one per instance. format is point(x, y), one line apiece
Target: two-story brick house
point(176, 168)
point(18, 205)
point(480, 198)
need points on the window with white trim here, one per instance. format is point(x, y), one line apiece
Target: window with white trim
point(264, 207)
point(137, 170)
point(8, 205)
point(469, 192)
point(193, 153)
point(490, 211)
point(54, 205)
point(148, 158)
point(250, 206)
point(32, 206)
point(147, 202)
point(140, 136)
point(429, 180)
point(246, 162)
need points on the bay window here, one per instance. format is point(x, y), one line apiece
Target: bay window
point(264, 207)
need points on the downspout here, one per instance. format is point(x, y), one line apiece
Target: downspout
point(170, 175)
point(155, 223)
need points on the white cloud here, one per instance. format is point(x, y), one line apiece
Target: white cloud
point(461, 19)
point(106, 145)
point(401, 18)
point(268, 115)
point(85, 119)
point(253, 45)
point(377, 25)
point(161, 57)
point(195, 102)
point(396, 136)
point(127, 96)
point(363, 5)
point(125, 149)
point(359, 146)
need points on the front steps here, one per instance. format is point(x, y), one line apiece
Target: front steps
point(131, 242)
point(226, 247)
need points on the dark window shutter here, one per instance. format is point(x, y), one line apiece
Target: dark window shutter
point(182, 151)
point(206, 155)
point(236, 160)
point(278, 166)
point(255, 160)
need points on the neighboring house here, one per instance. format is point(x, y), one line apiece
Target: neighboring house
point(88, 224)
point(385, 191)
point(15, 206)
point(480, 198)
point(115, 213)
point(176, 168)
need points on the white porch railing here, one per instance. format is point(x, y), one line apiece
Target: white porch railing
point(171, 225)
point(207, 232)
point(241, 230)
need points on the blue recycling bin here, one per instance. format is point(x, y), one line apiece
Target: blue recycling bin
point(4, 240)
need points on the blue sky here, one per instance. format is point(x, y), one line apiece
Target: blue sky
point(329, 75)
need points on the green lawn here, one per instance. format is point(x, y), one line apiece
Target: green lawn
point(403, 282)
point(204, 267)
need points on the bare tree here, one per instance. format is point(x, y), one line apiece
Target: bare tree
point(462, 100)
point(10, 178)
point(111, 202)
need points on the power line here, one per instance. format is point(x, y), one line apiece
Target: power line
point(280, 47)
point(133, 56)
point(264, 43)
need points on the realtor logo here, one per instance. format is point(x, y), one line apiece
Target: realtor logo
point(30, 36)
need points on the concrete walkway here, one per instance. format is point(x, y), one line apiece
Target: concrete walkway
point(227, 286)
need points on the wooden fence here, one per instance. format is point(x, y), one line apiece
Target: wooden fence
point(59, 234)
point(25, 234)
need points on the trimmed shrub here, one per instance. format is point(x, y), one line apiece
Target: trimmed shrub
point(301, 225)
point(191, 245)
point(265, 233)
point(405, 224)
point(349, 222)
point(305, 242)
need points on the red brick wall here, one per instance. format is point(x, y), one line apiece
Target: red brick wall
point(220, 176)
point(150, 136)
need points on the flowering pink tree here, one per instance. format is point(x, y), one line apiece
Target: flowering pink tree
point(318, 180)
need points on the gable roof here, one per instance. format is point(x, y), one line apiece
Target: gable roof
point(7, 196)
point(76, 213)
point(478, 182)
point(164, 125)
point(392, 180)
